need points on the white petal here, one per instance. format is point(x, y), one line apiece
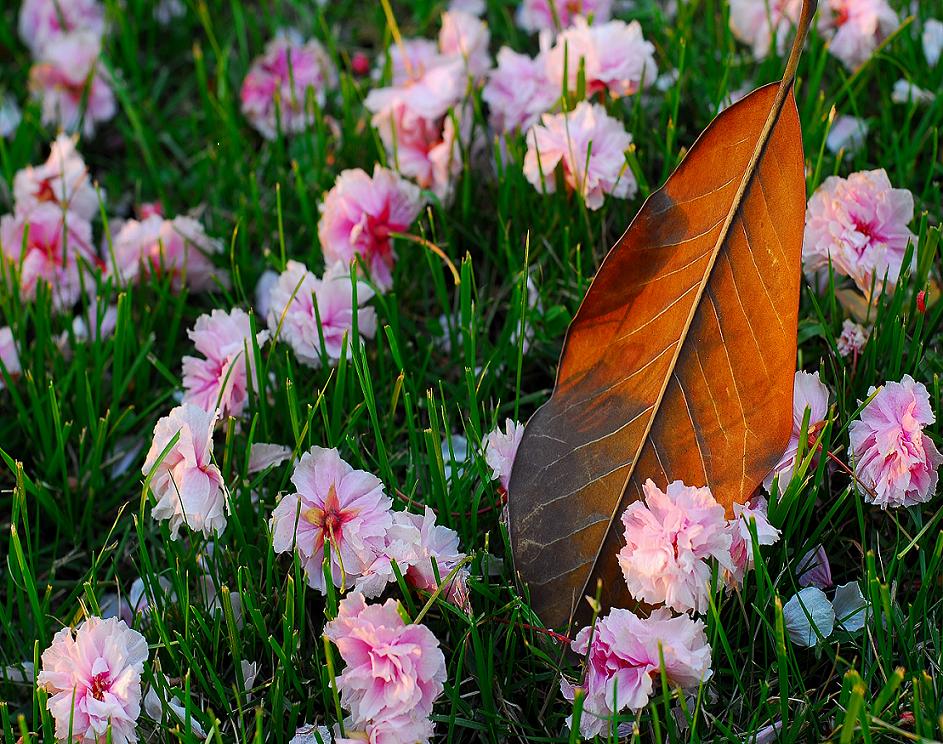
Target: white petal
point(850, 607)
point(809, 615)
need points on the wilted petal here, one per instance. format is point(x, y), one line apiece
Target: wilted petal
point(850, 607)
point(808, 616)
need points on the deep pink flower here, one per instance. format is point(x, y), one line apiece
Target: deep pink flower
point(589, 145)
point(466, 37)
point(614, 57)
point(187, 484)
point(764, 24)
point(358, 215)
point(624, 662)
point(754, 512)
point(394, 671)
point(221, 378)
point(893, 456)
point(9, 355)
point(156, 246)
point(333, 503)
point(56, 248)
point(518, 91)
point(42, 22)
point(63, 180)
point(852, 339)
point(276, 89)
point(539, 15)
point(292, 316)
point(855, 28)
point(808, 393)
point(71, 84)
point(859, 223)
point(93, 677)
point(670, 537)
point(501, 449)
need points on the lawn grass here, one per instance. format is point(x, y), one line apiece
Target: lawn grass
point(78, 527)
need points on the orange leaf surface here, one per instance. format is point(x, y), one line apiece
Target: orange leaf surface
point(679, 363)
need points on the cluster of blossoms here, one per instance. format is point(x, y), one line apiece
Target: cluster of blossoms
point(68, 77)
point(854, 28)
point(275, 92)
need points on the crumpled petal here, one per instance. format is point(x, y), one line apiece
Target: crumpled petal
point(850, 607)
point(808, 616)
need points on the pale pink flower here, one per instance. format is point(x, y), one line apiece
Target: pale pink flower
point(413, 542)
point(96, 324)
point(855, 28)
point(623, 663)
point(464, 36)
point(56, 249)
point(187, 484)
point(814, 569)
point(615, 57)
point(410, 60)
point(932, 39)
point(359, 213)
point(265, 455)
point(859, 223)
point(405, 728)
point(501, 448)
point(156, 246)
point(753, 512)
point(589, 145)
point(63, 180)
point(848, 134)
point(852, 339)
point(518, 91)
point(221, 378)
point(293, 318)
point(333, 503)
point(9, 357)
point(427, 92)
point(71, 84)
point(810, 393)
point(394, 671)
point(764, 24)
point(551, 15)
point(893, 456)
point(93, 677)
point(907, 92)
point(670, 537)
point(276, 89)
point(42, 22)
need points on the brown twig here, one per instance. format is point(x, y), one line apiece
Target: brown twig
point(543, 631)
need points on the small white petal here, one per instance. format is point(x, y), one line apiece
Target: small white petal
point(809, 615)
point(850, 607)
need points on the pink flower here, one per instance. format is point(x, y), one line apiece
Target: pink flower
point(623, 663)
point(221, 378)
point(93, 677)
point(741, 548)
point(466, 37)
point(856, 28)
point(42, 22)
point(538, 15)
point(358, 215)
point(71, 84)
point(892, 455)
point(9, 357)
point(852, 339)
point(333, 503)
point(292, 314)
point(394, 671)
point(156, 246)
point(275, 91)
point(808, 393)
point(62, 180)
point(859, 223)
point(589, 145)
point(764, 23)
point(518, 91)
point(669, 539)
point(501, 448)
point(187, 484)
point(614, 56)
point(56, 248)
point(413, 542)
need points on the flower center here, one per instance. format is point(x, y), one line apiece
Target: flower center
point(45, 192)
point(331, 517)
point(99, 685)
